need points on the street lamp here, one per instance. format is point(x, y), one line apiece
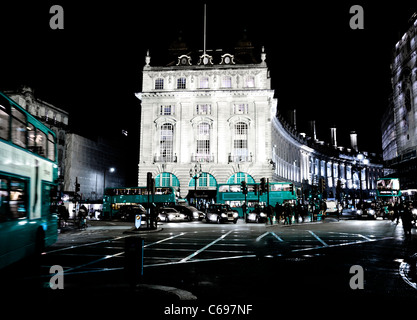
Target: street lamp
point(195, 173)
point(362, 163)
point(111, 170)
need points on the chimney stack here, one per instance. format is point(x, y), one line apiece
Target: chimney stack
point(313, 132)
point(354, 140)
point(333, 136)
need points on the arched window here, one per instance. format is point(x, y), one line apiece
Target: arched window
point(240, 142)
point(166, 179)
point(166, 142)
point(241, 176)
point(205, 180)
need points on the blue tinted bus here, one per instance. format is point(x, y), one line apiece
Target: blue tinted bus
point(115, 198)
point(28, 175)
point(232, 195)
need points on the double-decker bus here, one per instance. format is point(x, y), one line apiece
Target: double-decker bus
point(115, 198)
point(28, 175)
point(232, 195)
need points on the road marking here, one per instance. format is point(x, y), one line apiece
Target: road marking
point(273, 233)
point(163, 240)
point(262, 235)
point(266, 233)
point(205, 247)
point(84, 245)
point(317, 237)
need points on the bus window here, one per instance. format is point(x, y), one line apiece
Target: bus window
point(223, 188)
point(41, 143)
point(17, 199)
point(31, 137)
point(4, 195)
point(4, 122)
point(18, 128)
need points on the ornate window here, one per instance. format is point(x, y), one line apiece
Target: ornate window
point(166, 142)
point(203, 142)
point(240, 142)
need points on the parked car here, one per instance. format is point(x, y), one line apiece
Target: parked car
point(128, 213)
point(170, 214)
point(221, 213)
point(191, 212)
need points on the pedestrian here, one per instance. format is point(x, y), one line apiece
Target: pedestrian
point(396, 214)
point(269, 213)
point(287, 214)
point(278, 212)
point(406, 219)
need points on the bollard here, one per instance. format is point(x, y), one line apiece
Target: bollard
point(133, 260)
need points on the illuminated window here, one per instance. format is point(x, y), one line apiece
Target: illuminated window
point(227, 82)
point(166, 143)
point(203, 142)
point(167, 110)
point(240, 142)
point(204, 83)
point(203, 109)
point(241, 109)
point(250, 82)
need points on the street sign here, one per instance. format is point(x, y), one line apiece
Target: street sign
point(138, 221)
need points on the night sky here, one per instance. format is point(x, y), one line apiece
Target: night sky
point(319, 65)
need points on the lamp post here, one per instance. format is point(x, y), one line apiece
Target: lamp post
point(111, 170)
point(195, 173)
point(362, 163)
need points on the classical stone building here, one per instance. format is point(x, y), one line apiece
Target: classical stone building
point(53, 117)
point(216, 115)
point(214, 111)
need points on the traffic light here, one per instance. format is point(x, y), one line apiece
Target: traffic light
point(292, 188)
point(244, 187)
point(149, 182)
point(263, 186)
point(77, 185)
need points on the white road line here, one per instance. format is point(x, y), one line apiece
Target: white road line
point(274, 234)
point(261, 236)
point(163, 240)
point(205, 247)
point(84, 245)
point(315, 236)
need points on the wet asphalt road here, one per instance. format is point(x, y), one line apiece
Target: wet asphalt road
point(302, 267)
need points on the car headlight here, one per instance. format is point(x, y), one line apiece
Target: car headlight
point(263, 215)
point(359, 211)
point(371, 211)
point(252, 216)
point(224, 215)
point(235, 215)
point(195, 214)
point(213, 217)
point(171, 216)
point(414, 211)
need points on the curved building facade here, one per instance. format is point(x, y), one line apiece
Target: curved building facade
point(217, 116)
